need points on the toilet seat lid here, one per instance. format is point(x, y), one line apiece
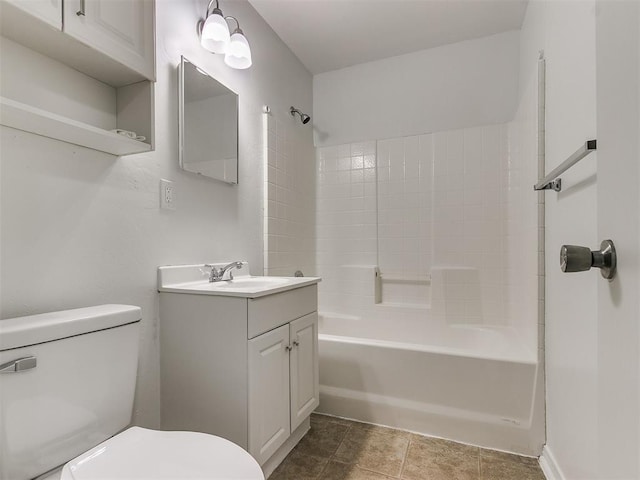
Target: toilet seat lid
point(139, 453)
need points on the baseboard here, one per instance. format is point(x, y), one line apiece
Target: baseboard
point(549, 465)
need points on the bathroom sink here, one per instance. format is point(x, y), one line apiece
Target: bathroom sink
point(194, 279)
point(251, 283)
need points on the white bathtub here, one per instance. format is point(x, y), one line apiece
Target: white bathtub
point(470, 384)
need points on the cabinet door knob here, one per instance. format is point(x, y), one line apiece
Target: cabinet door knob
point(296, 343)
point(80, 12)
point(288, 348)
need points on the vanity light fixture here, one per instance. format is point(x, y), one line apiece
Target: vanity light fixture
point(215, 37)
point(214, 31)
point(238, 53)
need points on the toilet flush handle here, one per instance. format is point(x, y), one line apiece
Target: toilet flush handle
point(19, 365)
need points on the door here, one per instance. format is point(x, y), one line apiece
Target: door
point(617, 354)
point(268, 392)
point(305, 395)
point(121, 29)
point(592, 326)
point(49, 11)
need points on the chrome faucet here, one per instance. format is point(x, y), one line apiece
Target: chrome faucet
point(217, 274)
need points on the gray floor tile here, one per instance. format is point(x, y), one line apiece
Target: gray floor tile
point(513, 469)
point(324, 438)
point(378, 449)
point(339, 449)
point(436, 459)
point(298, 466)
point(345, 471)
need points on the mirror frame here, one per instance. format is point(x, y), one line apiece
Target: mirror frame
point(181, 119)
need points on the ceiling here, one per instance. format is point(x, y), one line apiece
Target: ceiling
point(332, 34)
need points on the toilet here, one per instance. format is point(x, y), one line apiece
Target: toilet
point(67, 384)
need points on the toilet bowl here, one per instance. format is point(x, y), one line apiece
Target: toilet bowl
point(140, 453)
point(67, 383)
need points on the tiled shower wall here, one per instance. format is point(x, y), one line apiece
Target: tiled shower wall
point(289, 197)
point(422, 208)
point(525, 214)
point(346, 227)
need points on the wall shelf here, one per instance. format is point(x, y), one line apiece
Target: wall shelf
point(41, 122)
point(74, 78)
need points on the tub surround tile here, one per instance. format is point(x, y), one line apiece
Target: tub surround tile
point(339, 449)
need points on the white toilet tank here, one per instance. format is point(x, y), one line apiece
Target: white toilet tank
point(73, 389)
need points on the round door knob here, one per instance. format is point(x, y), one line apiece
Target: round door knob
point(575, 259)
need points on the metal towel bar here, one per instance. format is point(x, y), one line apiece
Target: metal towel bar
point(551, 181)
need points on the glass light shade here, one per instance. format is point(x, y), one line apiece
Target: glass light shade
point(238, 54)
point(215, 34)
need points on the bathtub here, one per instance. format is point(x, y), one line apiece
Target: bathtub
point(472, 384)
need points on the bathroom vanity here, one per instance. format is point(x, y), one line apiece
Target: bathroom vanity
point(239, 358)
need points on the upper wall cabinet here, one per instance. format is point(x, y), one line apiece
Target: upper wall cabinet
point(110, 40)
point(80, 71)
point(49, 11)
point(122, 29)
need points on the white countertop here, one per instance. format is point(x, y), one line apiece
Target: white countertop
point(194, 279)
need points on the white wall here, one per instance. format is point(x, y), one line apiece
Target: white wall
point(466, 84)
point(79, 227)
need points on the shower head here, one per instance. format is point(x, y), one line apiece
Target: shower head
point(304, 118)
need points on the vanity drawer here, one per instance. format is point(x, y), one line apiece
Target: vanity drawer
point(267, 313)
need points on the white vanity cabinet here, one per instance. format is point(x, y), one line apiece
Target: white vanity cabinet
point(283, 383)
point(269, 394)
point(242, 368)
point(305, 388)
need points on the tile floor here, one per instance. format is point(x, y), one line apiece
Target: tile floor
point(337, 449)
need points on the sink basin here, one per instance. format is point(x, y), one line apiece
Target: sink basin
point(252, 283)
point(194, 279)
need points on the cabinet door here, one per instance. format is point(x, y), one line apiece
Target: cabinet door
point(121, 29)
point(49, 11)
point(268, 393)
point(305, 394)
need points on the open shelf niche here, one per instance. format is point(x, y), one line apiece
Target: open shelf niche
point(46, 96)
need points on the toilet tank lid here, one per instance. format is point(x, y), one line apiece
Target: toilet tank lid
point(46, 327)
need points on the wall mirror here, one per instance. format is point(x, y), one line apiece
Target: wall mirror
point(208, 125)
